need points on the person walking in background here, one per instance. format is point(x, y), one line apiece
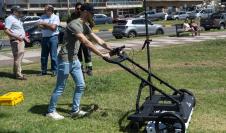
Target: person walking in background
point(49, 23)
point(14, 29)
point(195, 26)
point(68, 63)
point(83, 50)
point(76, 13)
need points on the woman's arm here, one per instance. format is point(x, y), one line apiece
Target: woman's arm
point(99, 41)
point(84, 41)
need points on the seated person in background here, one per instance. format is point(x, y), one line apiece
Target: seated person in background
point(195, 26)
point(187, 27)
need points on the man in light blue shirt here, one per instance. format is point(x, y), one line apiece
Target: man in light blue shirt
point(14, 29)
point(49, 23)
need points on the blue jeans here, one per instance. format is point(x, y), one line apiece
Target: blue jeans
point(64, 68)
point(49, 46)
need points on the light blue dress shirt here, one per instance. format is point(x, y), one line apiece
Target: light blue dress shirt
point(15, 26)
point(53, 19)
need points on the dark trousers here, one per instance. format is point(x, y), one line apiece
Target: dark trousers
point(83, 50)
point(49, 46)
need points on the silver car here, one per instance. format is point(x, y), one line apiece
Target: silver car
point(134, 27)
point(205, 13)
point(181, 15)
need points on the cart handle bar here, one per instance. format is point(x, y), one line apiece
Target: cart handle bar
point(116, 51)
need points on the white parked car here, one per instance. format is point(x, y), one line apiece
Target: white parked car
point(134, 27)
point(182, 15)
point(205, 13)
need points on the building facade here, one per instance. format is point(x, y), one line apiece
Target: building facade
point(36, 6)
point(117, 7)
point(172, 4)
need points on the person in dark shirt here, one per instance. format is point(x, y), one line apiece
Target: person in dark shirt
point(84, 51)
point(76, 13)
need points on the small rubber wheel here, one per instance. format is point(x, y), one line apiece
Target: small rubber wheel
point(169, 123)
point(135, 126)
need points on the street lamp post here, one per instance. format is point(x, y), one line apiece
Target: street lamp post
point(147, 45)
point(68, 8)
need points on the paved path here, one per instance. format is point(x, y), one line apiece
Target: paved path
point(32, 56)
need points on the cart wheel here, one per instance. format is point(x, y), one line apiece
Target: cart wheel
point(135, 126)
point(188, 92)
point(169, 123)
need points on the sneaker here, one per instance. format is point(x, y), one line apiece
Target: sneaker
point(83, 69)
point(42, 74)
point(89, 71)
point(53, 74)
point(79, 113)
point(55, 116)
point(21, 78)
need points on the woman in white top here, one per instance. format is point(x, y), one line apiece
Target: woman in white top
point(187, 27)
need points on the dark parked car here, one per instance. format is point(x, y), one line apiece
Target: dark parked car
point(102, 19)
point(30, 21)
point(35, 35)
point(215, 21)
point(169, 16)
point(2, 26)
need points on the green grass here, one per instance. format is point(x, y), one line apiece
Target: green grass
point(169, 22)
point(200, 67)
point(2, 35)
point(103, 27)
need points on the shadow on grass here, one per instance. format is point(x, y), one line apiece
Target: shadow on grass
point(7, 75)
point(12, 76)
point(131, 127)
point(7, 131)
point(43, 109)
point(31, 72)
point(181, 35)
point(39, 109)
point(3, 115)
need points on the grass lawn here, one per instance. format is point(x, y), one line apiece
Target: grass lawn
point(103, 27)
point(3, 35)
point(169, 22)
point(200, 67)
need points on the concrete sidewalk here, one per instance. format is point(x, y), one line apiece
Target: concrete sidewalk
point(32, 56)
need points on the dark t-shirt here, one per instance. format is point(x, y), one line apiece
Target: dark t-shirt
point(74, 15)
point(69, 49)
